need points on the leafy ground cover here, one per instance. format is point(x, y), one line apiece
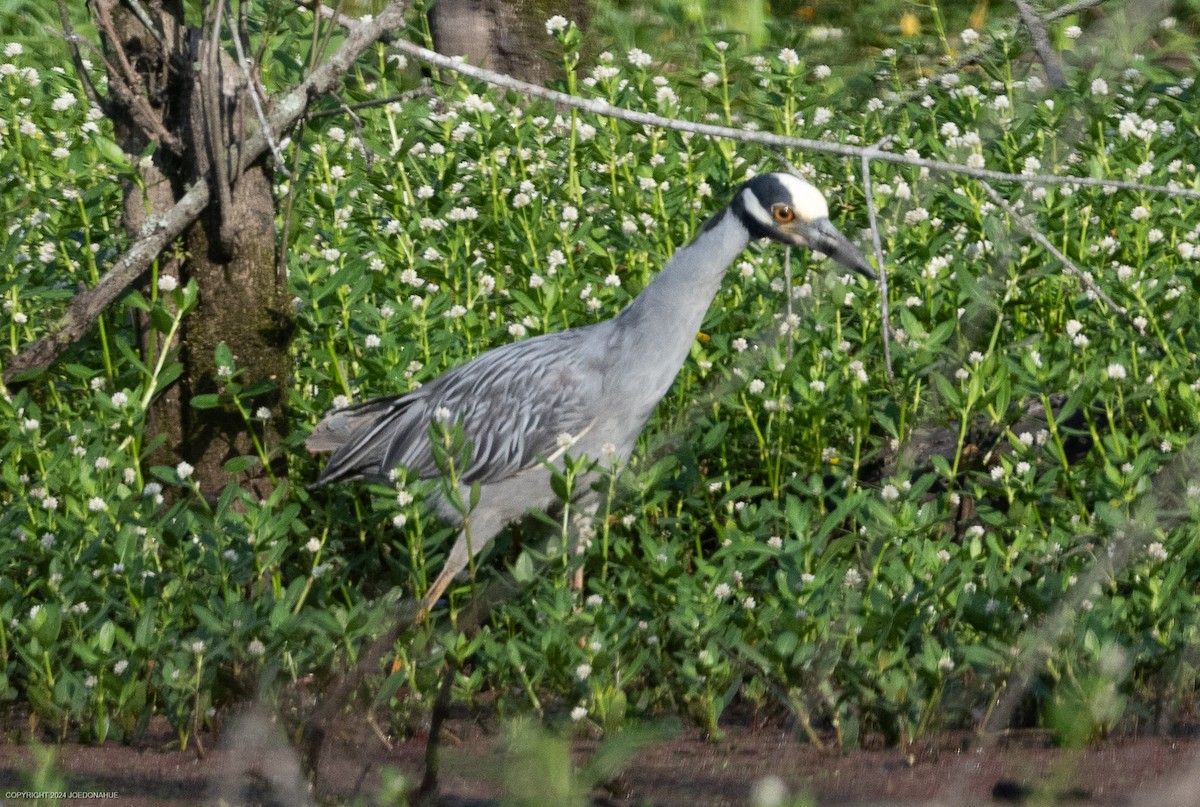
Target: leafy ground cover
point(761, 548)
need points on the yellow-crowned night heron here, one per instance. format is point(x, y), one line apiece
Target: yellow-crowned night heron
point(587, 391)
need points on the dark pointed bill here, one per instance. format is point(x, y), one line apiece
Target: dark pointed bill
point(824, 237)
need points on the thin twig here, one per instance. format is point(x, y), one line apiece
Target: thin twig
point(344, 108)
point(280, 166)
point(1036, 27)
point(73, 39)
point(884, 310)
point(787, 285)
point(146, 19)
point(599, 106)
point(123, 82)
point(1067, 263)
point(1071, 8)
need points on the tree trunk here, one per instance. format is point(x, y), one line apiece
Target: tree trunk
point(197, 94)
point(508, 36)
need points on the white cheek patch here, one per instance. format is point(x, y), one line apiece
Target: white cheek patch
point(808, 202)
point(755, 209)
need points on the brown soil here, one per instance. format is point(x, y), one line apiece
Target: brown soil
point(683, 771)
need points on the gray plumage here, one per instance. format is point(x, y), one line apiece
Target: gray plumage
point(588, 391)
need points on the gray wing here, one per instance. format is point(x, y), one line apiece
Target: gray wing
point(512, 402)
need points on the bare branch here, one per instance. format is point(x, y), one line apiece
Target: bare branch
point(884, 312)
point(253, 89)
point(123, 81)
point(73, 39)
point(1036, 27)
point(1036, 235)
point(599, 106)
point(1072, 8)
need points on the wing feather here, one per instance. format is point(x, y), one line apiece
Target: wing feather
point(512, 402)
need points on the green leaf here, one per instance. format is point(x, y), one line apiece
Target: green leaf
point(104, 639)
point(242, 464)
point(223, 355)
point(208, 400)
point(110, 151)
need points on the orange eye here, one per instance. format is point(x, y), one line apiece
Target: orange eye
point(783, 214)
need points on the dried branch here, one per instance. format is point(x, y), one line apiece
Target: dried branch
point(884, 312)
point(1072, 8)
point(158, 233)
point(254, 90)
point(598, 106)
point(73, 39)
point(1036, 27)
point(123, 82)
point(1036, 235)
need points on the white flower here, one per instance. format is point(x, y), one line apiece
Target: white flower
point(945, 664)
point(789, 57)
point(556, 24)
point(1099, 87)
point(183, 470)
point(256, 647)
point(639, 58)
point(1157, 551)
point(749, 603)
point(1073, 32)
point(262, 413)
point(890, 493)
point(578, 713)
point(583, 671)
point(120, 399)
point(63, 102)
point(372, 341)
point(1139, 213)
point(740, 344)
point(721, 591)
point(822, 72)
point(969, 36)
point(424, 192)
point(1116, 371)
point(757, 386)
point(96, 504)
point(313, 545)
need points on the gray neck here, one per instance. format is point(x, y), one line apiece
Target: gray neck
point(662, 322)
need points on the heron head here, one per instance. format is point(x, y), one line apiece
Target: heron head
point(785, 208)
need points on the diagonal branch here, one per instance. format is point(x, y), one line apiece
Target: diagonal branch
point(1046, 244)
point(73, 39)
point(1036, 27)
point(1072, 8)
point(123, 81)
point(159, 232)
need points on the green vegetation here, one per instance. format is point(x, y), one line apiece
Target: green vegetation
point(751, 552)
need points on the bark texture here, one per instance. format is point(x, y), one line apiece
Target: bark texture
point(197, 94)
point(508, 36)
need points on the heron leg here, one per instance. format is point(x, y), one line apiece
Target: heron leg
point(583, 521)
